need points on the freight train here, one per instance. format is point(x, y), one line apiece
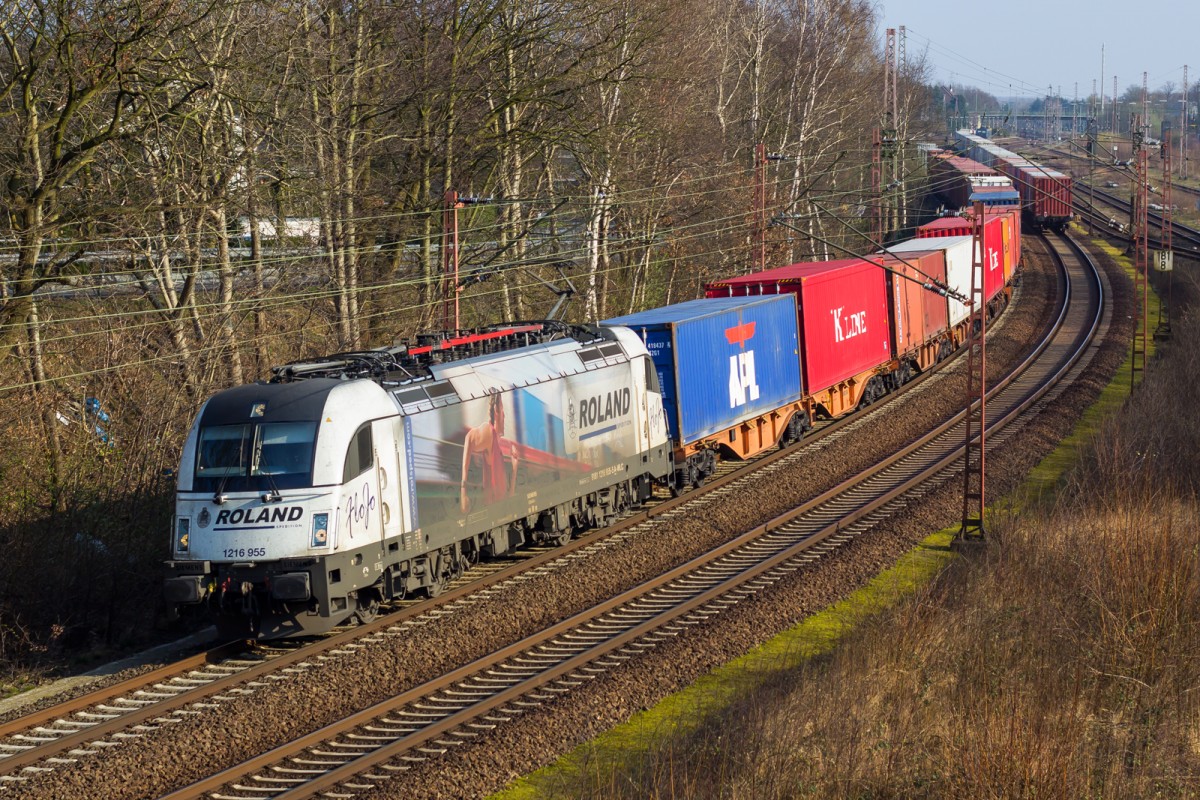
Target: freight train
point(347, 481)
point(961, 182)
point(1045, 193)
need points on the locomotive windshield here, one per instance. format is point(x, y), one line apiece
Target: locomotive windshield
point(255, 456)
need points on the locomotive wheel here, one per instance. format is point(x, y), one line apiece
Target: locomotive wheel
point(439, 585)
point(368, 607)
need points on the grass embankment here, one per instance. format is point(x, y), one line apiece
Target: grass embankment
point(1061, 661)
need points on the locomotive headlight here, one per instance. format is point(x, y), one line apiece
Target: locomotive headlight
point(320, 530)
point(183, 529)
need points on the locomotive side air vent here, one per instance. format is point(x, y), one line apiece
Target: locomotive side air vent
point(612, 349)
point(590, 354)
point(440, 390)
point(437, 393)
point(414, 395)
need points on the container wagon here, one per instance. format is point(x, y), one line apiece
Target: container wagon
point(847, 355)
point(1002, 245)
point(1045, 193)
point(729, 372)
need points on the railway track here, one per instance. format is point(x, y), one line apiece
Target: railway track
point(563, 654)
point(1185, 239)
point(381, 743)
point(87, 725)
point(111, 710)
point(470, 702)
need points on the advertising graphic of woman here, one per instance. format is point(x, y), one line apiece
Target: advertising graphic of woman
point(482, 456)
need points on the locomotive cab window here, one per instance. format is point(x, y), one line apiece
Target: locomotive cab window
point(651, 377)
point(361, 455)
point(255, 457)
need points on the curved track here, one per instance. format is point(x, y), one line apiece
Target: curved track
point(86, 725)
point(466, 705)
point(473, 700)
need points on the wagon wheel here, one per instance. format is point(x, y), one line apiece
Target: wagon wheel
point(682, 482)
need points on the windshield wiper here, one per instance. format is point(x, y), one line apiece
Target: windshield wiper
point(273, 495)
point(256, 469)
point(219, 497)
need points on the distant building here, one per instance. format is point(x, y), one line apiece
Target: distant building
point(295, 229)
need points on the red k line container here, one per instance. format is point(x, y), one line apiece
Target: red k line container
point(918, 314)
point(843, 310)
point(996, 245)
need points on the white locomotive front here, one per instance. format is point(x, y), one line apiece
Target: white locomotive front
point(349, 481)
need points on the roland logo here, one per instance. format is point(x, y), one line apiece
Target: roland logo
point(255, 516)
point(603, 407)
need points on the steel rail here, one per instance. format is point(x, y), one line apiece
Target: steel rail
point(444, 713)
point(77, 725)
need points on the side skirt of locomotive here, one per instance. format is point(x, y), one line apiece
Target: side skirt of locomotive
point(310, 595)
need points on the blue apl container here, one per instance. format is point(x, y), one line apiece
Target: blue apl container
point(721, 361)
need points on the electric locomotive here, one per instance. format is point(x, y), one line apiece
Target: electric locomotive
point(346, 481)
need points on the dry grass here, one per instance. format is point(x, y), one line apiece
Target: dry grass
point(80, 576)
point(1059, 664)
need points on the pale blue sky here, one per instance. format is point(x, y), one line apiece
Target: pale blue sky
point(1031, 46)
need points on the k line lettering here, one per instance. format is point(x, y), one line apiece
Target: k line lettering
point(848, 326)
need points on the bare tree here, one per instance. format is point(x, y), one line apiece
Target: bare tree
point(73, 76)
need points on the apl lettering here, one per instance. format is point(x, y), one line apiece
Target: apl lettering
point(742, 381)
point(848, 326)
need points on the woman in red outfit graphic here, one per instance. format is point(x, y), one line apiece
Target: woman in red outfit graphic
point(482, 453)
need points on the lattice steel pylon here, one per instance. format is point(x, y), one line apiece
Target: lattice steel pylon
point(1183, 127)
point(450, 288)
point(877, 187)
point(975, 450)
point(1141, 260)
point(759, 227)
point(887, 144)
point(1163, 329)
